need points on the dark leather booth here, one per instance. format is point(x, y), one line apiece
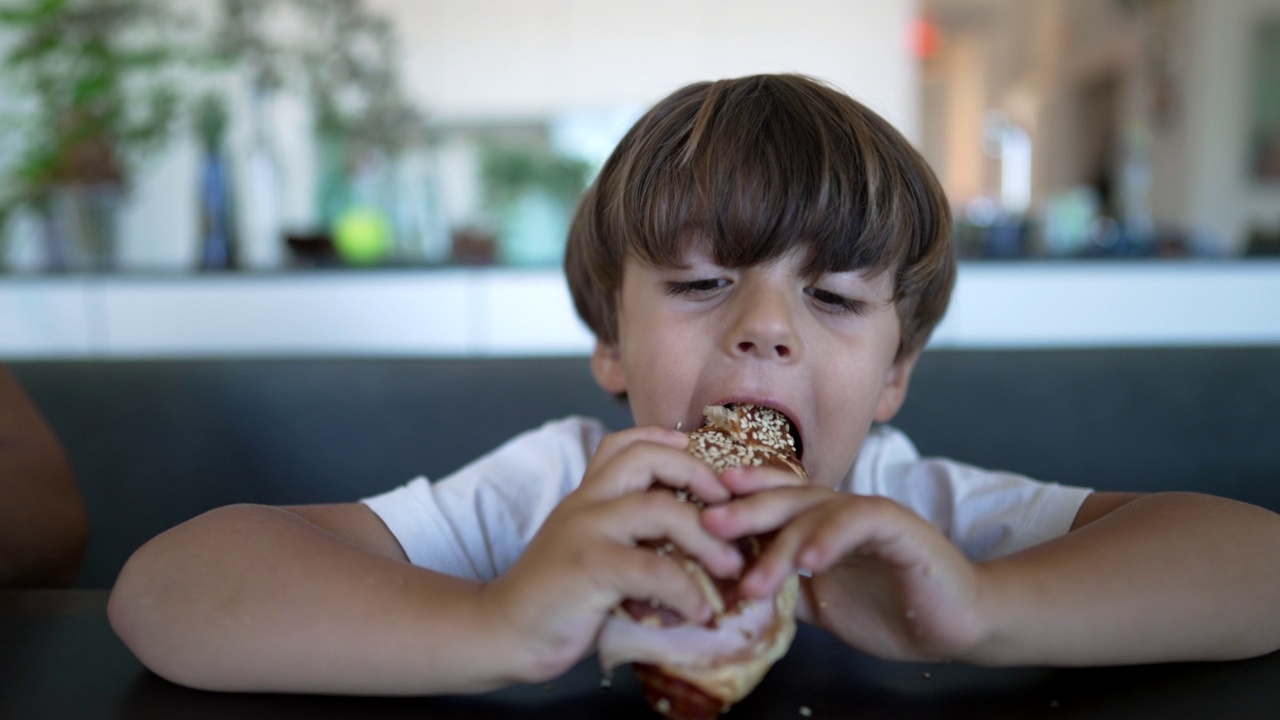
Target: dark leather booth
point(155, 442)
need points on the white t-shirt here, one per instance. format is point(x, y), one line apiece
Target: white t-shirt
point(476, 522)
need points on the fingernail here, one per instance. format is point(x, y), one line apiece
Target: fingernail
point(808, 559)
point(733, 555)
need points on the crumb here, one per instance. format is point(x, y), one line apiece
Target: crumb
point(926, 675)
point(822, 604)
point(911, 614)
point(679, 425)
point(663, 706)
point(805, 711)
point(606, 683)
point(1053, 703)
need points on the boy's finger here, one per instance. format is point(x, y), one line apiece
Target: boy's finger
point(751, 480)
point(783, 557)
point(613, 444)
point(658, 515)
point(643, 574)
point(638, 466)
point(874, 525)
point(762, 512)
point(819, 538)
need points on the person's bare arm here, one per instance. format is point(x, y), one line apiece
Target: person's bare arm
point(1140, 578)
point(1163, 577)
point(321, 598)
point(308, 599)
point(44, 527)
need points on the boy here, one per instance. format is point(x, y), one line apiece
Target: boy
point(763, 239)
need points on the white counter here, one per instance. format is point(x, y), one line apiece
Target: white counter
point(488, 312)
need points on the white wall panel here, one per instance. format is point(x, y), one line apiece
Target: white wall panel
point(335, 314)
point(47, 318)
point(491, 312)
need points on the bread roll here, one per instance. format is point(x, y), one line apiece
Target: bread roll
point(696, 672)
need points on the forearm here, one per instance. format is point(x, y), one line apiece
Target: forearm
point(251, 598)
point(1165, 578)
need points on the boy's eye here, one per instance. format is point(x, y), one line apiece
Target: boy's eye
point(836, 303)
point(696, 287)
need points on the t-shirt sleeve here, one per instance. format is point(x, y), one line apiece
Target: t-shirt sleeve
point(986, 513)
point(476, 522)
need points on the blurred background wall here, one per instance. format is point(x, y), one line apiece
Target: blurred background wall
point(183, 168)
point(1165, 108)
point(587, 68)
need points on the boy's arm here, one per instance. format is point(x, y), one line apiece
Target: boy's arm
point(44, 527)
point(1149, 578)
point(321, 599)
point(1170, 576)
point(314, 599)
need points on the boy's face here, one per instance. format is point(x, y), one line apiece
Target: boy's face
point(820, 350)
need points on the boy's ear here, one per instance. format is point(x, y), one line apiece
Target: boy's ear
point(606, 366)
point(895, 387)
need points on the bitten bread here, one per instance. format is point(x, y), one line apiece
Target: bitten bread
point(696, 672)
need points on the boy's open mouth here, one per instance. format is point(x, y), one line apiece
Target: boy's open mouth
point(792, 429)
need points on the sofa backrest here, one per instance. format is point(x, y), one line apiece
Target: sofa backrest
point(156, 442)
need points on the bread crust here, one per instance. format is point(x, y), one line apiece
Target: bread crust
point(698, 688)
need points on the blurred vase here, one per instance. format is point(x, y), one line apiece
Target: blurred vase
point(532, 229)
point(218, 249)
point(333, 192)
point(260, 202)
point(421, 225)
point(80, 230)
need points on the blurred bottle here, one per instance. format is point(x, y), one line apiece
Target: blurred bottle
point(262, 197)
point(217, 231)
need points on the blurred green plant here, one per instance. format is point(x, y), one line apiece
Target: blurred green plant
point(510, 170)
point(209, 120)
point(90, 85)
point(352, 60)
point(96, 96)
point(347, 63)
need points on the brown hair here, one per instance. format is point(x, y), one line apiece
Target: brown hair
point(757, 166)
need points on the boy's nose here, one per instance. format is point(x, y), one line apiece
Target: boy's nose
point(748, 348)
point(764, 328)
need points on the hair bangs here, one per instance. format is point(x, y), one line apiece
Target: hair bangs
point(757, 175)
point(749, 170)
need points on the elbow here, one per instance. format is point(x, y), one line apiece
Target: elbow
point(163, 604)
point(136, 613)
point(136, 616)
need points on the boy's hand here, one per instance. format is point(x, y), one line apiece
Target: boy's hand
point(883, 579)
point(585, 560)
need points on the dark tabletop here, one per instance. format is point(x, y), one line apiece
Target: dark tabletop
point(59, 659)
